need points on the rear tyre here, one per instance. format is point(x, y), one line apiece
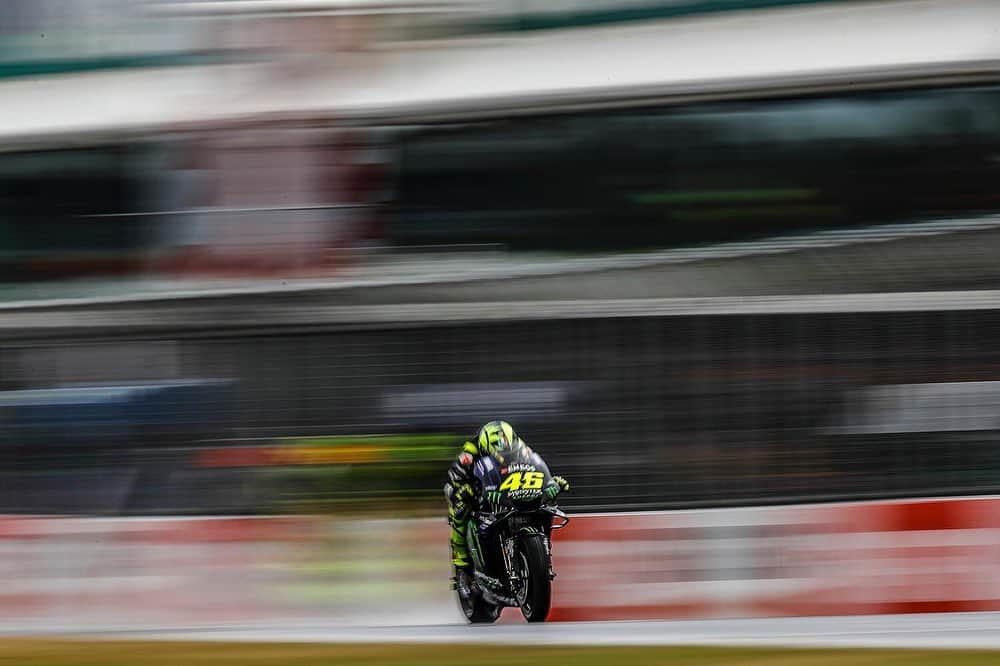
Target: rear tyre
point(476, 609)
point(537, 598)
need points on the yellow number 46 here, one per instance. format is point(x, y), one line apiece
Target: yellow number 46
point(527, 480)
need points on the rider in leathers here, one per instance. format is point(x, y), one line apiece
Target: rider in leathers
point(462, 496)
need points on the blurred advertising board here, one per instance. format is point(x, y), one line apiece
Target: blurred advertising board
point(935, 555)
point(89, 415)
point(860, 558)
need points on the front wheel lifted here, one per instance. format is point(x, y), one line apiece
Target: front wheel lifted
point(536, 592)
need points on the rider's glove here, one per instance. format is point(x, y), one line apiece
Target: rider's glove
point(557, 486)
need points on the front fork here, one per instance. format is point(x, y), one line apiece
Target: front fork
point(514, 575)
point(548, 555)
point(509, 551)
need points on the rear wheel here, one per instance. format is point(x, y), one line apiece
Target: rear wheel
point(536, 586)
point(476, 609)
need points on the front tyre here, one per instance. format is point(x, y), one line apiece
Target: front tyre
point(536, 592)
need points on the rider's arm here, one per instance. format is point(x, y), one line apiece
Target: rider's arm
point(539, 462)
point(458, 472)
point(556, 482)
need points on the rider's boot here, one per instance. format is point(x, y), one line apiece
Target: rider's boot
point(463, 567)
point(459, 549)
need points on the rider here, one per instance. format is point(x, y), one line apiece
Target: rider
point(493, 438)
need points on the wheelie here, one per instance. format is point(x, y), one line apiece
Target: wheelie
point(502, 510)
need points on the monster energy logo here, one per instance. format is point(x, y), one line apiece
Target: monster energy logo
point(494, 498)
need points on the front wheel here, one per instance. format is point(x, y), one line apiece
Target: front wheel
point(536, 586)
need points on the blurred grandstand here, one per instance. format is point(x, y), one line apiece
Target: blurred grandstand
point(285, 255)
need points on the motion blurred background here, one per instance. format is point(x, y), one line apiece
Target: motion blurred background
point(266, 263)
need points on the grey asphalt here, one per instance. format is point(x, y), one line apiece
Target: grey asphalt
point(947, 630)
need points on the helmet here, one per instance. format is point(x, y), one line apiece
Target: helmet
point(498, 437)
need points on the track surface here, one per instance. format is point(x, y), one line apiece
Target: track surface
point(948, 630)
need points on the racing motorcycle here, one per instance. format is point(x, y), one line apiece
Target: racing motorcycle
point(509, 537)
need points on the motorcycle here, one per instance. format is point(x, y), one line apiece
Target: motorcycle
point(509, 537)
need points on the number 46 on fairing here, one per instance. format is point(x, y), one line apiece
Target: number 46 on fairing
point(526, 480)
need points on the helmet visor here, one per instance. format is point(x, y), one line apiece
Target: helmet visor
point(507, 450)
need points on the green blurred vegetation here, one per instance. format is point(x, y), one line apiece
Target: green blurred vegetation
point(403, 474)
point(133, 653)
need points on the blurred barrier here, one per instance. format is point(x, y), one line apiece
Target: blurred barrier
point(866, 558)
point(838, 559)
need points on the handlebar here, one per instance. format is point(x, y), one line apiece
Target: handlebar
point(557, 513)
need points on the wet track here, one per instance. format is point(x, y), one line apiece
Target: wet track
point(949, 630)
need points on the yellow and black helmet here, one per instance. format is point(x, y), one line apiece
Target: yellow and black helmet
point(497, 437)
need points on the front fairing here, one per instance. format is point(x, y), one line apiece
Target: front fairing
point(496, 496)
point(512, 487)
